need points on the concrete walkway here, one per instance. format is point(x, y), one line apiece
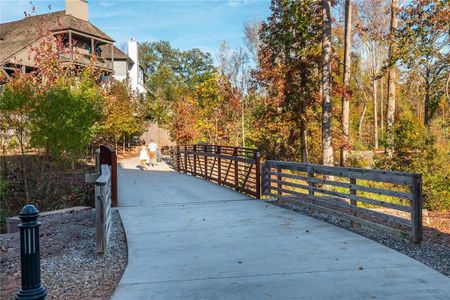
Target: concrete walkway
point(190, 239)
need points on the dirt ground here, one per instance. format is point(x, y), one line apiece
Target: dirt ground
point(438, 229)
point(128, 154)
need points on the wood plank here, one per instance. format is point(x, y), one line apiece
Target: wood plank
point(402, 195)
point(105, 175)
point(416, 213)
point(353, 202)
point(383, 177)
point(340, 203)
point(279, 181)
point(394, 177)
point(265, 179)
point(347, 196)
point(292, 176)
point(310, 180)
point(287, 165)
point(344, 216)
point(349, 169)
point(103, 201)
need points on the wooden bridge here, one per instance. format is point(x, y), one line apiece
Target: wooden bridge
point(205, 235)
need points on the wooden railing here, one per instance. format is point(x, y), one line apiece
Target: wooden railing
point(353, 193)
point(108, 157)
point(86, 59)
point(103, 209)
point(236, 167)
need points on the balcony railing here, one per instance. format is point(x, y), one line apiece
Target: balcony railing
point(85, 59)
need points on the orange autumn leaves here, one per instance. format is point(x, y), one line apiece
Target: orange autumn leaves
point(209, 113)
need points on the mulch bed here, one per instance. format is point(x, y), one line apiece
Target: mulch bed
point(433, 251)
point(70, 268)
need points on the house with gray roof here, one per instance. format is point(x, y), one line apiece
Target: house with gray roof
point(81, 40)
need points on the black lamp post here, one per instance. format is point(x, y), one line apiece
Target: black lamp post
point(30, 261)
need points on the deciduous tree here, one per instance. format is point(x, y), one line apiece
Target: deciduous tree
point(424, 41)
point(392, 73)
point(327, 145)
point(346, 81)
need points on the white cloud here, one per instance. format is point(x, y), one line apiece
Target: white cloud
point(106, 4)
point(237, 3)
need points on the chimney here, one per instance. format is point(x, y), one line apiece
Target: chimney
point(78, 9)
point(133, 53)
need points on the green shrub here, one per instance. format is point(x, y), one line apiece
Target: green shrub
point(360, 159)
point(437, 189)
point(416, 150)
point(64, 121)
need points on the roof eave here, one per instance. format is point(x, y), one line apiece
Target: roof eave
point(83, 33)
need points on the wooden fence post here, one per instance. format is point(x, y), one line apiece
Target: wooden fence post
point(108, 156)
point(279, 178)
point(310, 183)
point(114, 179)
point(265, 179)
point(103, 189)
point(353, 202)
point(258, 174)
point(416, 212)
point(97, 162)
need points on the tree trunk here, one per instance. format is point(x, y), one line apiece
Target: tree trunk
point(327, 147)
point(391, 80)
point(427, 107)
point(375, 113)
point(24, 173)
point(304, 145)
point(361, 120)
point(243, 121)
point(346, 81)
point(426, 114)
point(4, 172)
point(382, 104)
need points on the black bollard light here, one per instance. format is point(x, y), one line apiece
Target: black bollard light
point(30, 261)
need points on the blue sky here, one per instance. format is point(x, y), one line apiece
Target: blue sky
point(185, 23)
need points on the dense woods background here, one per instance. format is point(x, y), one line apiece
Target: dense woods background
point(370, 77)
point(354, 83)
